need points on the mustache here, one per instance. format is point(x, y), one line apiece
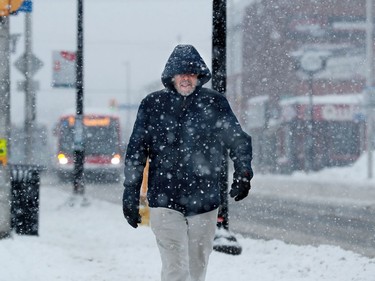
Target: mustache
point(185, 83)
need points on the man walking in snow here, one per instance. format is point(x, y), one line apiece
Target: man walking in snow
point(182, 131)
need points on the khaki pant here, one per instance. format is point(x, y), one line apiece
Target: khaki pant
point(185, 243)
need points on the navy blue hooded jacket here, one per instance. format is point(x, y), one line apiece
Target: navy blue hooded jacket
point(184, 137)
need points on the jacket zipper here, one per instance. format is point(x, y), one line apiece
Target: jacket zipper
point(184, 104)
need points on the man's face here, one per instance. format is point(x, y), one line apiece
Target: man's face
point(185, 83)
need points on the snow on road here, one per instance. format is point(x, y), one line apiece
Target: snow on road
point(95, 243)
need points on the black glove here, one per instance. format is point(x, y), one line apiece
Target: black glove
point(240, 187)
point(130, 208)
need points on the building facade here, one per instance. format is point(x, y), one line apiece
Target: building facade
point(303, 118)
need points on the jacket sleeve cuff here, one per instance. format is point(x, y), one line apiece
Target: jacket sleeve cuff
point(243, 175)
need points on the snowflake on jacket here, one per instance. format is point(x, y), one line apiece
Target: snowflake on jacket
point(183, 138)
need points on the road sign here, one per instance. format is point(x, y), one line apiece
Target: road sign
point(34, 86)
point(27, 6)
point(9, 6)
point(35, 64)
point(312, 62)
point(13, 41)
point(64, 69)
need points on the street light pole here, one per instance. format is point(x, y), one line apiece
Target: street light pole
point(5, 184)
point(79, 150)
point(311, 63)
point(127, 97)
point(369, 86)
point(219, 84)
point(310, 138)
point(30, 93)
point(4, 89)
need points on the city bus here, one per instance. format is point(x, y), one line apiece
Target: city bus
point(102, 147)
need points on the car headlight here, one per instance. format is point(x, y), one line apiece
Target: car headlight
point(116, 159)
point(62, 159)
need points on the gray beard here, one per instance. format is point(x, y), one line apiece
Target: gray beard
point(186, 94)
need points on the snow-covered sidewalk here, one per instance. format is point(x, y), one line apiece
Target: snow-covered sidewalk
point(335, 185)
point(95, 243)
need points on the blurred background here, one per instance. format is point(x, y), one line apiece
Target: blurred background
point(299, 78)
point(301, 116)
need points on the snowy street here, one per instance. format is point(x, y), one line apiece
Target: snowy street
point(309, 213)
point(95, 243)
point(299, 77)
point(296, 211)
point(335, 206)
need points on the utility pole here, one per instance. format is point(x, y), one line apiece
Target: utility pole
point(219, 83)
point(219, 46)
point(311, 63)
point(370, 99)
point(5, 226)
point(127, 96)
point(30, 93)
point(309, 153)
point(79, 149)
point(28, 64)
point(5, 87)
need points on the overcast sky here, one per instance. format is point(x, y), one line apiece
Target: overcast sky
point(142, 32)
point(117, 33)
